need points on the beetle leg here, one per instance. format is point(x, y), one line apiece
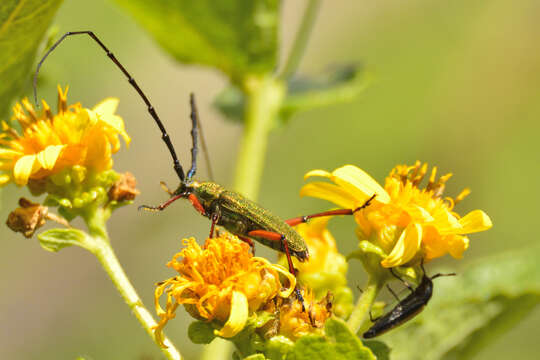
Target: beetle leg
point(403, 281)
point(161, 207)
point(249, 242)
point(215, 219)
point(305, 218)
point(392, 292)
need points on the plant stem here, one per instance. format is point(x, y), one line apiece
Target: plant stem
point(300, 42)
point(106, 256)
point(361, 310)
point(264, 98)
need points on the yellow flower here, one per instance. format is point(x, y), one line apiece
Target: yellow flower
point(50, 143)
point(404, 220)
point(326, 269)
point(221, 281)
point(294, 322)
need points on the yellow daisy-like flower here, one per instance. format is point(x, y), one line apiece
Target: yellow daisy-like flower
point(50, 143)
point(404, 220)
point(221, 281)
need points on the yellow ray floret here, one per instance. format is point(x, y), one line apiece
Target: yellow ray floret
point(404, 219)
point(51, 142)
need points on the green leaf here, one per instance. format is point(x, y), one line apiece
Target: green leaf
point(471, 310)
point(338, 344)
point(255, 357)
point(201, 332)
point(341, 85)
point(379, 349)
point(56, 239)
point(23, 24)
point(238, 37)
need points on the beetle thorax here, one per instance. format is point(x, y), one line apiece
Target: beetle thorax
point(207, 192)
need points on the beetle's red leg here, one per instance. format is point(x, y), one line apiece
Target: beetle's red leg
point(279, 237)
point(249, 242)
point(196, 204)
point(215, 219)
point(161, 206)
point(303, 219)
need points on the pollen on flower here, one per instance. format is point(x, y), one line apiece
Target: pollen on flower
point(407, 221)
point(220, 281)
point(49, 143)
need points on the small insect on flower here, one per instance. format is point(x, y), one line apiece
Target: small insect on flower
point(239, 215)
point(407, 308)
point(405, 221)
point(51, 142)
point(220, 281)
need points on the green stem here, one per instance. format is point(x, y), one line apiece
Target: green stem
point(103, 251)
point(300, 42)
point(361, 310)
point(264, 98)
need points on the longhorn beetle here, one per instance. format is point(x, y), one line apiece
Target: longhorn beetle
point(407, 308)
point(239, 215)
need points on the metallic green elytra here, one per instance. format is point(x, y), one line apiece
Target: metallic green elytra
point(240, 216)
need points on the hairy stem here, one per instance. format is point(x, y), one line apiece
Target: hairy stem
point(361, 310)
point(103, 251)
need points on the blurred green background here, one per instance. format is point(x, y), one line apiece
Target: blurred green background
point(457, 84)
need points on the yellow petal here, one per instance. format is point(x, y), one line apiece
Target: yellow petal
point(457, 245)
point(24, 167)
point(475, 221)
point(285, 293)
point(406, 247)
point(107, 106)
point(237, 318)
point(47, 158)
point(330, 192)
point(106, 110)
point(320, 173)
point(358, 182)
point(4, 179)
point(9, 153)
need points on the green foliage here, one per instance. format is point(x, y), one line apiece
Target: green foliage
point(201, 332)
point(22, 27)
point(55, 240)
point(471, 310)
point(237, 37)
point(379, 349)
point(339, 343)
point(342, 84)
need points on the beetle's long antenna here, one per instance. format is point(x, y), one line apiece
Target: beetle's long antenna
point(164, 136)
point(205, 149)
point(194, 132)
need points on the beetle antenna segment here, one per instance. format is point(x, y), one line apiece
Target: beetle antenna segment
point(164, 136)
point(438, 275)
point(194, 131)
point(204, 147)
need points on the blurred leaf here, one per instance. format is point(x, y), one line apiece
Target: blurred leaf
point(338, 344)
point(255, 357)
point(238, 37)
point(200, 332)
point(55, 240)
point(22, 26)
point(342, 84)
point(379, 349)
point(471, 310)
